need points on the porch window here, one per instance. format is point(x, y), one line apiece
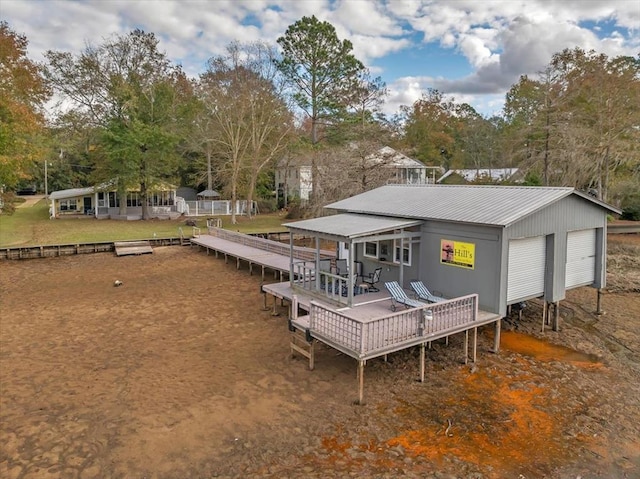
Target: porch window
point(402, 251)
point(114, 202)
point(371, 249)
point(102, 200)
point(133, 199)
point(68, 205)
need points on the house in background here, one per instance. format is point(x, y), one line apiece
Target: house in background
point(492, 175)
point(293, 178)
point(103, 202)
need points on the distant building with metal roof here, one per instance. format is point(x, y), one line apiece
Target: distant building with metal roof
point(496, 175)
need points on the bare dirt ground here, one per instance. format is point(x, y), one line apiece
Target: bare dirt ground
point(179, 373)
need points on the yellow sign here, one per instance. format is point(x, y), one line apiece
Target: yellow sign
point(457, 253)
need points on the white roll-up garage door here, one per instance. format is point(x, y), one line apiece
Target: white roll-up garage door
point(527, 258)
point(581, 258)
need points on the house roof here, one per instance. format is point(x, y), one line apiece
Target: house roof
point(488, 205)
point(107, 186)
point(209, 194)
point(393, 158)
point(71, 193)
point(351, 226)
point(496, 174)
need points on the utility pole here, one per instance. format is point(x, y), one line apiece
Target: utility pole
point(46, 185)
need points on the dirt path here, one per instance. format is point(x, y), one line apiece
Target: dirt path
point(179, 373)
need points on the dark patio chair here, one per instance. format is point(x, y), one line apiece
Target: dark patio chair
point(373, 279)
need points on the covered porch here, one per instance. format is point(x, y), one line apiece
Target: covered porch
point(340, 281)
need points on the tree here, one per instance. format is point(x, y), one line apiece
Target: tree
point(603, 96)
point(249, 121)
point(130, 90)
point(429, 129)
point(23, 92)
point(322, 72)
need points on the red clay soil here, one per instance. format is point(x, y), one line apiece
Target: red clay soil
point(180, 373)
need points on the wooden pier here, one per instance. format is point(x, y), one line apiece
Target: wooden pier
point(261, 252)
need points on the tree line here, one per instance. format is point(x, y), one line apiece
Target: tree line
point(129, 117)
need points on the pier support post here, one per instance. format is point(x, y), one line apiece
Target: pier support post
point(466, 346)
point(361, 382)
point(422, 355)
point(556, 316)
point(496, 337)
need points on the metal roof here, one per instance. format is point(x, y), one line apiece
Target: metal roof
point(488, 205)
point(351, 226)
point(209, 194)
point(71, 193)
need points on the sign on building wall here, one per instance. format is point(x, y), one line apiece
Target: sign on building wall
point(457, 253)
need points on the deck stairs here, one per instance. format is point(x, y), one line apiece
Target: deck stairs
point(300, 342)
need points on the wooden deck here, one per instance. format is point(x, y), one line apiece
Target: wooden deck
point(266, 254)
point(369, 329)
point(365, 330)
point(371, 312)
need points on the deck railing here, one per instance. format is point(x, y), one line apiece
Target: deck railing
point(329, 286)
point(373, 337)
point(271, 246)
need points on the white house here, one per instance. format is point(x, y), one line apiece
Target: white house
point(293, 178)
point(103, 202)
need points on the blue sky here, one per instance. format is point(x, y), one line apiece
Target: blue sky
point(468, 49)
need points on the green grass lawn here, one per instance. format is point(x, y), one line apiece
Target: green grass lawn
point(31, 225)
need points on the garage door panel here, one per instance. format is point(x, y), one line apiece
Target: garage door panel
point(581, 258)
point(526, 269)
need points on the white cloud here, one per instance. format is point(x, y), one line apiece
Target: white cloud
point(499, 39)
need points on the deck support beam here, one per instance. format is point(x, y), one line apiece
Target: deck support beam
point(475, 344)
point(496, 337)
point(466, 346)
point(361, 364)
point(422, 355)
point(556, 316)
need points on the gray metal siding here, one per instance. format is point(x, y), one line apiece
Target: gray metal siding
point(571, 213)
point(451, 281)
point(390, 270)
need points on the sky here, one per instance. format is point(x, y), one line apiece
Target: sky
point(471, 50)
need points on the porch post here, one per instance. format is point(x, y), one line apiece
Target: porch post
point(291, 258)
point(317, 267)
point(422, 354)
point(401, 278)
point(350, 284)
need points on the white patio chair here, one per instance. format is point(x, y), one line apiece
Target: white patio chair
point(398, 296)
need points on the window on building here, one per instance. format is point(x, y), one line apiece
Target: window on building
point(133, 199)
point(113, 200)
point(68, 205)
point(402, 251)
point(371, 249)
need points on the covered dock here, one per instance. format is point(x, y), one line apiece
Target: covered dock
point(364, 327)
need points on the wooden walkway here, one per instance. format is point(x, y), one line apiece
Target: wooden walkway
point(266, 254)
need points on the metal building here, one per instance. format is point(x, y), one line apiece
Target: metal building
point(506, 243)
